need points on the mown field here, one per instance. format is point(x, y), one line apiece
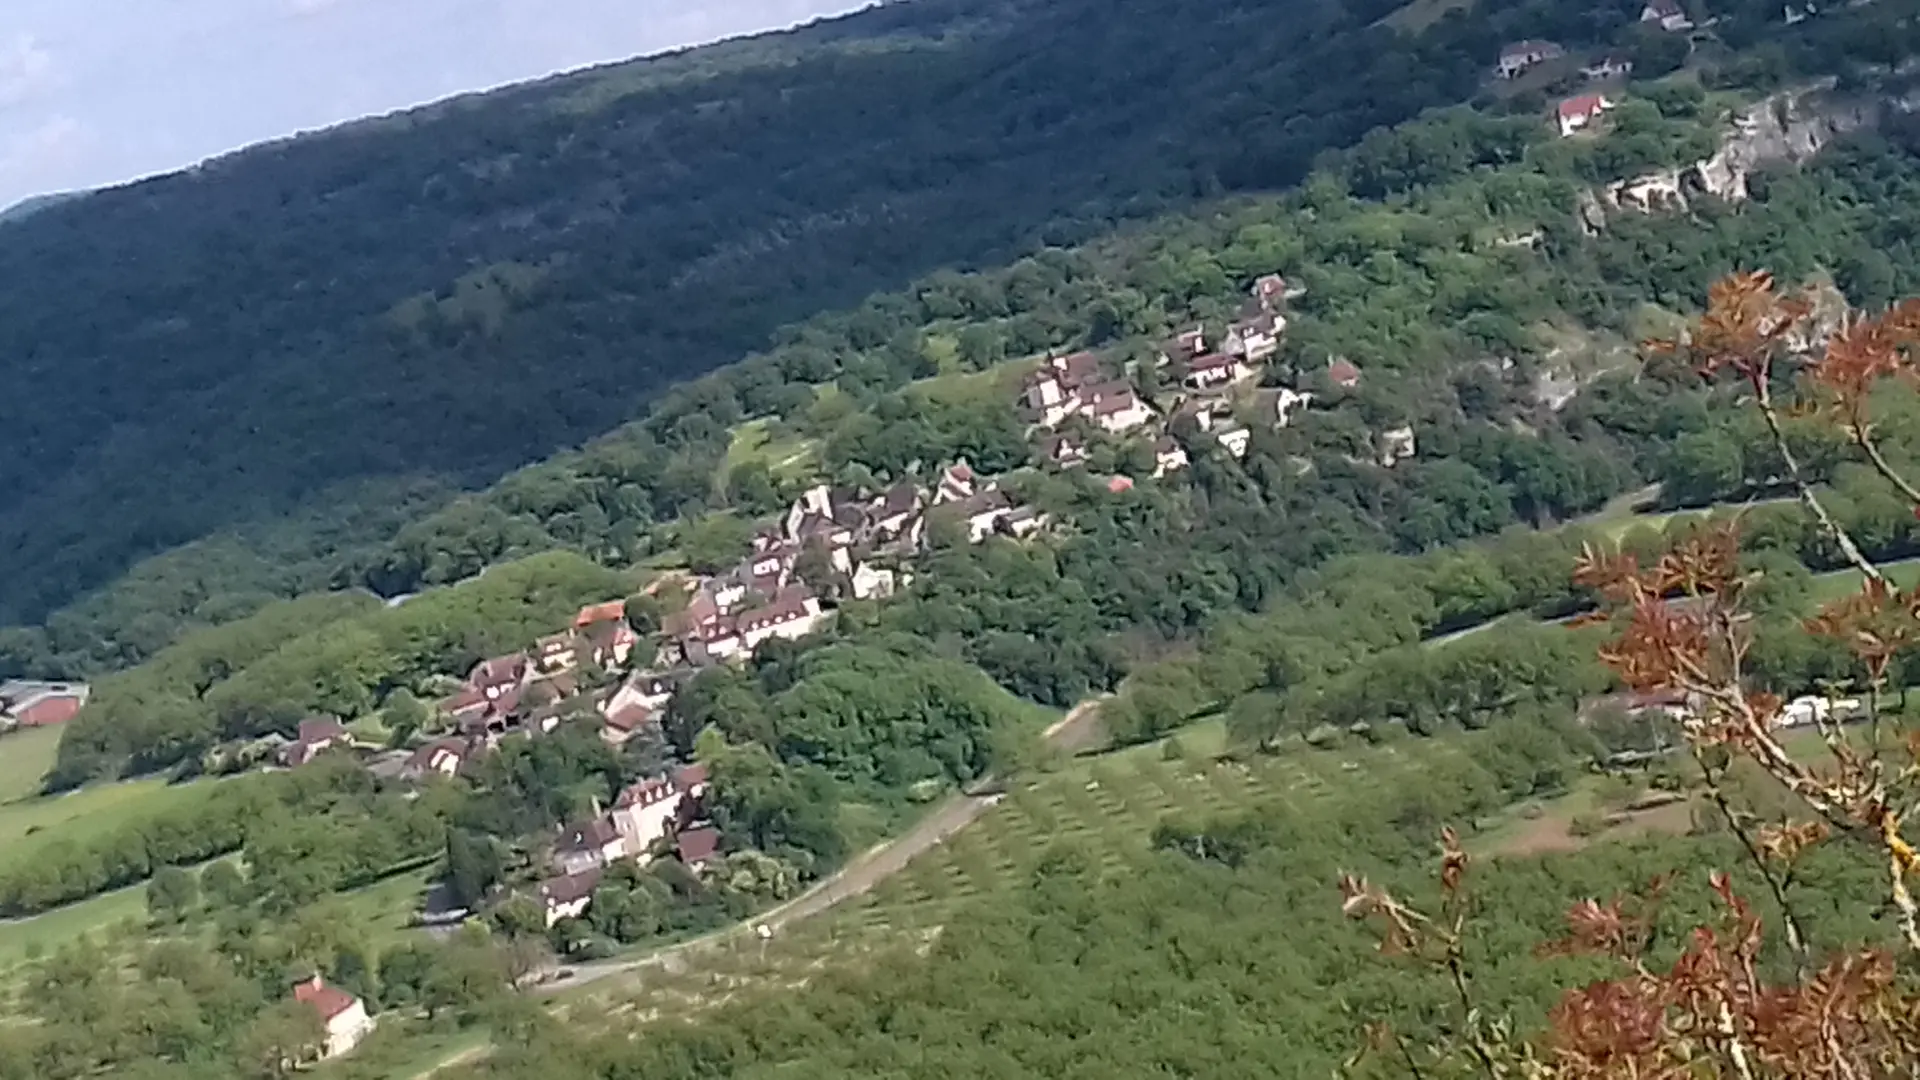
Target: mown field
point(1108, 804)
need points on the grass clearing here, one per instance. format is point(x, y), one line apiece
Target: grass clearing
point(32, 825)
point(25, 758)
point(755, 441)
point(20, 938)
point(1420, 14)
point(1905, 574)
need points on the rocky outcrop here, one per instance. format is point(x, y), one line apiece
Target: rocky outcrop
point(1785, 129)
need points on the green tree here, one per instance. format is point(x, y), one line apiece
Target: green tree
point(172, 894)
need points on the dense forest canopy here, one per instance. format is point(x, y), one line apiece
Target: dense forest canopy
point(439, 296)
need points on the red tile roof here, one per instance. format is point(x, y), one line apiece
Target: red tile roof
point(599, 613)
point(1587, 105)
point(328, 1001)
point(696, 846)
point(1343, 373)
point(1118, 484)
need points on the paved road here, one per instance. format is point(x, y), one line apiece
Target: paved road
point(856, 879)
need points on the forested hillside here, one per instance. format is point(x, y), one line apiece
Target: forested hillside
point(439, 296)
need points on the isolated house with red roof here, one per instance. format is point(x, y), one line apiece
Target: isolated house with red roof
point(39, 704)
point(1576, 113)
point(342, 1015)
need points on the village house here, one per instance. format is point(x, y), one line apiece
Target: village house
point(1517, 58)
point(896, 513)
point(1168, 456)
point(698, 847)
point(1610, 66)
point(1270, 291)
point(443, 758)
point(1115, 408)
point(1216, 370)
point(619, 725)
point(1064, 451)
point(1234, 437)
point(982, 514)
point(648, 812)
point(556, 653)
point(1666, 14)
point(314, 736)
point(343, 1016)
point(27, 704)
point(957, 482)
point(501, 677)
point(1255, 339)
point(1576, 113)
point(610, 639)
point(567, 896)
point(870, 582)
point(1118, 484)
point(589, 845)
point(1184, 346)
point(1023, 522)
point(1343, 373)
point(793, 613)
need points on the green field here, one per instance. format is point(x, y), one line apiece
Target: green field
point(1420, 14)
point(1904, 575)
point(25, 757)
point(754, 441)
point(18, 938)
point(31, 825)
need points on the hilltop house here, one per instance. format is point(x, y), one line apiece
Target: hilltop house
point(1666, 14)
point(982, 514)
point(343, 1016)
point(1576, 113)
point(1270, 291)
point(24, 703)
point(1520, 56)
point(1343, 373)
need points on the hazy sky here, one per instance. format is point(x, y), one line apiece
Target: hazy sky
point(99, 91)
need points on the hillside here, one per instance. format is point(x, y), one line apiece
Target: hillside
point(432, 298)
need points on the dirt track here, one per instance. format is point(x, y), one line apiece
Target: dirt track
point(861, 875)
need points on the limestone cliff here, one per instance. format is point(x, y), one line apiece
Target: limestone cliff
point(1786, 128)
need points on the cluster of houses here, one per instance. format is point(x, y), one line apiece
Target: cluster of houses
point(1071, 399)
point(864, 544)
point(1806, 710)
point(1579, 112)
point(649, 820)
